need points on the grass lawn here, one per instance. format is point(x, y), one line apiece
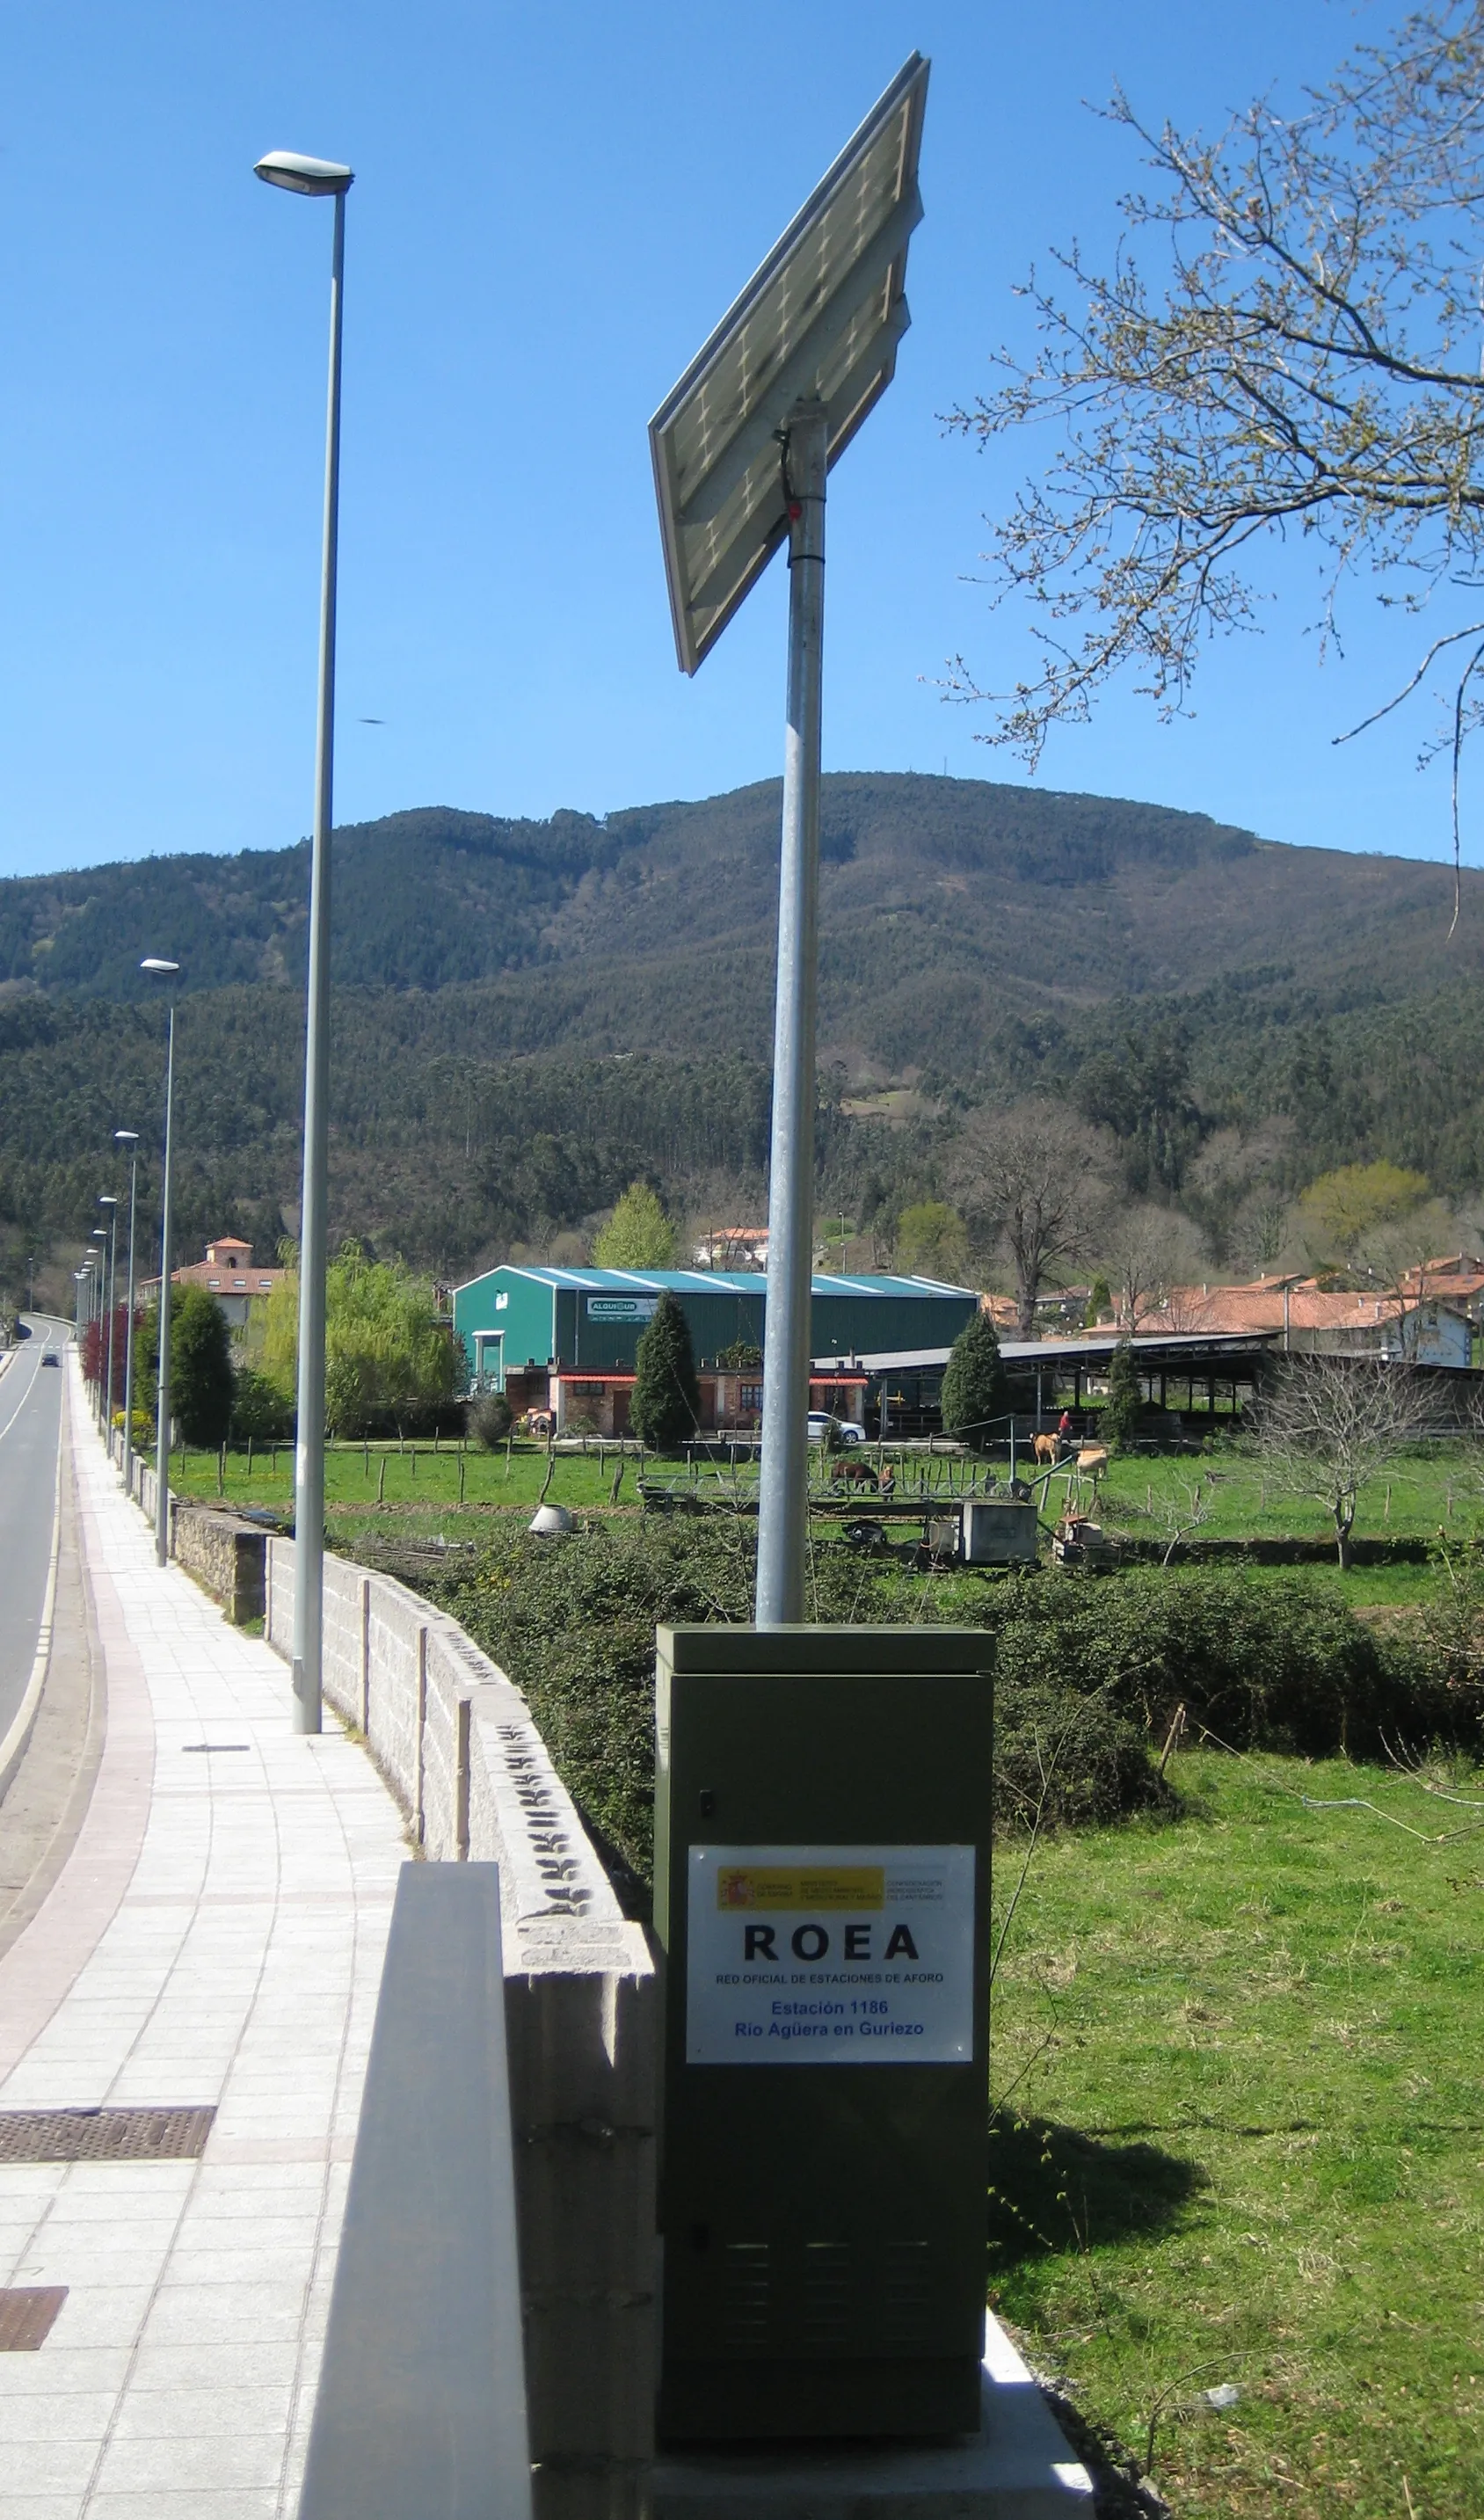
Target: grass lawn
point(416, 1493)
point(1432, 1488)
point(1242, 2140)
point(1429, 1488)
point(357, 1476)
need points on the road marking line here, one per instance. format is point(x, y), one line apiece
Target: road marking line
point(13, 1747)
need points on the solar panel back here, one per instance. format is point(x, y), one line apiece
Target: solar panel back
point(820, 318)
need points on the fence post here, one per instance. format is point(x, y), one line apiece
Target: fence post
point(419, 1749)
point(461, 1711)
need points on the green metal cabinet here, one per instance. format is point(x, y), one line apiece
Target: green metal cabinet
point(822, 1903)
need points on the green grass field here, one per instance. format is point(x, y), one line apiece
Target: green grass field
point(1430, 1488)
point(1240, 2138)
point(416, 1492)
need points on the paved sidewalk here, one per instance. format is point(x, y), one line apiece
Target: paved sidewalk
point(216, 1936)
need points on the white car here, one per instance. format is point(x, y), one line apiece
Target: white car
point(823, 1424)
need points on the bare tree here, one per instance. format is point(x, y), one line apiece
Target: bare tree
point(1037, 1182)
point(1398, 1260)
point(1235, 1191)
point(1185, 1505)
point(1145, 1254)
point(1328, 1425)
point(1298, 354)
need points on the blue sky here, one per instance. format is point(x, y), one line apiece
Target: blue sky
point(552, 207)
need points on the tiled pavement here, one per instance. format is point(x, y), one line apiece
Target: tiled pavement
point(216, 1936)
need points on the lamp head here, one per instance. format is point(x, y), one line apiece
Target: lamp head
point(126, 1137)
point(155, 962)
point(105, 1198)
point(291, 173)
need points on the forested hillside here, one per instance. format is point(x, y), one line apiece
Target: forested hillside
point(529, 1014)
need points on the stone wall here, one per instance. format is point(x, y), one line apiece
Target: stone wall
point(455, 1742)
point(226, 1556)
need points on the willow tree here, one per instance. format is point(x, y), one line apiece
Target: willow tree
point(1287, 342)
point(387, 1354)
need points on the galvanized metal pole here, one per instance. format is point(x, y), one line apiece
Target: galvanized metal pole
point(309, 1459)
point(128, 1335)
point(107, 1407)
point(783, 1499)
point(162, 1404)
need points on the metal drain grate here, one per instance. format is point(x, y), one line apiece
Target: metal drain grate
point(26, 2318)
point(104, 2134)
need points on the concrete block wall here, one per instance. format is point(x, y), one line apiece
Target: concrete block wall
point(142, 1486)
point(455, 1740)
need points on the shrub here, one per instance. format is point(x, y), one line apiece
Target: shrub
point(1279, 1665)
point(1086, 1675)
point(744, 1356)
point(259, 1412)
point(490, 1419)
point(1068, 1759)
point(574, 1626)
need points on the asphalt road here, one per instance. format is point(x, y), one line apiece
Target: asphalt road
point(30, 1425)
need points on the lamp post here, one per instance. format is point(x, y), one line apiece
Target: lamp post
point(105, 1198)
point(321, 180)
point(100, 1235)
point(128, 1141)
point(159, 968)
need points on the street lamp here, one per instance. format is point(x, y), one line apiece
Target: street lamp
point(105, 1198)
point(319, 179)
point(159, 968)
point(100, 1235)
point(128, 1141)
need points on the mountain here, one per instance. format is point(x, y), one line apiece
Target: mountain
point(528, 1013)
point(942, 901)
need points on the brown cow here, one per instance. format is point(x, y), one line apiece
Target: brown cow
point(1048, 1449)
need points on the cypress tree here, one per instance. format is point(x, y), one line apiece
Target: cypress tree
point(202, 1384)
point(973, 1384)
point(1119, 1422)
point(666, 1404)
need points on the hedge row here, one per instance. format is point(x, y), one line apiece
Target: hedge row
point(1088, 1676)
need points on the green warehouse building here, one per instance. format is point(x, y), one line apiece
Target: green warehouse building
point(564, 1339)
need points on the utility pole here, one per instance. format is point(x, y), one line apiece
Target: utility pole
point(164, 969)
point(128, 1140)
point(784, 1485)
point(319, 178)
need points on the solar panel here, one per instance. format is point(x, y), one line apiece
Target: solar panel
point(820, 317)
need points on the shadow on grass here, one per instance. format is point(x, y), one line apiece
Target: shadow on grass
point(1055, 2191)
